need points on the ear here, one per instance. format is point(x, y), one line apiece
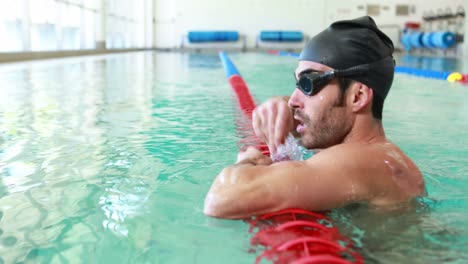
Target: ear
point(360, 96)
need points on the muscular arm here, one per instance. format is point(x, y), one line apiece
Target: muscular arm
point(327, 180)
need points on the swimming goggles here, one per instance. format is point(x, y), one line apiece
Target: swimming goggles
point(310, 82)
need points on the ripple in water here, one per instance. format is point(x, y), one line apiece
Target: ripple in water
point(9, 241)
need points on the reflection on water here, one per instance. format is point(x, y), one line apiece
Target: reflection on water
point(86, 144)
point(58, 123)
point(107, 159)
point(442, 64)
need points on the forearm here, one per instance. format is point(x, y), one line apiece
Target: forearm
point(253, 161)
point(225, 195)
point(239, 191)
point(237, 185)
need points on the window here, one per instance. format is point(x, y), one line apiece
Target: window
point(70, 26)
point(49, 25)
point(11, 25)
point(88, 30)
point(402, 10)
point(373, 10)
point(126, 24)
point(43, 15)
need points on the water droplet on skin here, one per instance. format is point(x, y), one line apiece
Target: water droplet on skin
point(352, 192)
point(222, 179)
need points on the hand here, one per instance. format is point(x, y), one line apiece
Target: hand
point(272, 121)
point(253, 156)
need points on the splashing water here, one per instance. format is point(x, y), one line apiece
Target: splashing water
point(290, 150)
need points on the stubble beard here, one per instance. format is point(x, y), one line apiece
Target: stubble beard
point(330, 128)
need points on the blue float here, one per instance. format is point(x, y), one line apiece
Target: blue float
point(291, 36)
point(427, 40)
point(406, 40)
point(416, 39)
point(269, 35)
point(212, 36)
point(281, 36)
point(439, 39)
point(443, 39)
point(229, 67)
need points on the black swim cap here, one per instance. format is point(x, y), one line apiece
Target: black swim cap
point(349, 43)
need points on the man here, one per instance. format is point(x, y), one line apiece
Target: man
point(343, 77)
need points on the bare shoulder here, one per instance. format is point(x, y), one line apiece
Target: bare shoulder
point(388, 174)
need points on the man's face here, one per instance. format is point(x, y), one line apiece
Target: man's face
point(324, 118)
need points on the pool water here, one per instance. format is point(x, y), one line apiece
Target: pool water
point(440, 64)
point(107, 160)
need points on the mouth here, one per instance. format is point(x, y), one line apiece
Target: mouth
point(301, 127)
point(298, 118)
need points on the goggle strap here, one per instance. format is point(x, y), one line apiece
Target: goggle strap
point(363, 68)
point(355, 70)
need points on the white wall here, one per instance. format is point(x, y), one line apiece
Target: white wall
point(175, 17)
point(165, 14)
point(246, 16)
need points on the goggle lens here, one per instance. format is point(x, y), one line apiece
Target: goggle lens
point(312, 82)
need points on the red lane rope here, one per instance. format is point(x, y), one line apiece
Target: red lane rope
point(244, 98)
point(291, 235)
point(247, 105)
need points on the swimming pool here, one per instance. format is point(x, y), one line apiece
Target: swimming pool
point(108, 159)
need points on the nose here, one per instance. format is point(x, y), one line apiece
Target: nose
point(295, 101)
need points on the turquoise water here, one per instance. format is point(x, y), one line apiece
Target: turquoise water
point(108, 159)
point(441, 64)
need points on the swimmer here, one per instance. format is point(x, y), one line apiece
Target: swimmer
point(342, 79)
